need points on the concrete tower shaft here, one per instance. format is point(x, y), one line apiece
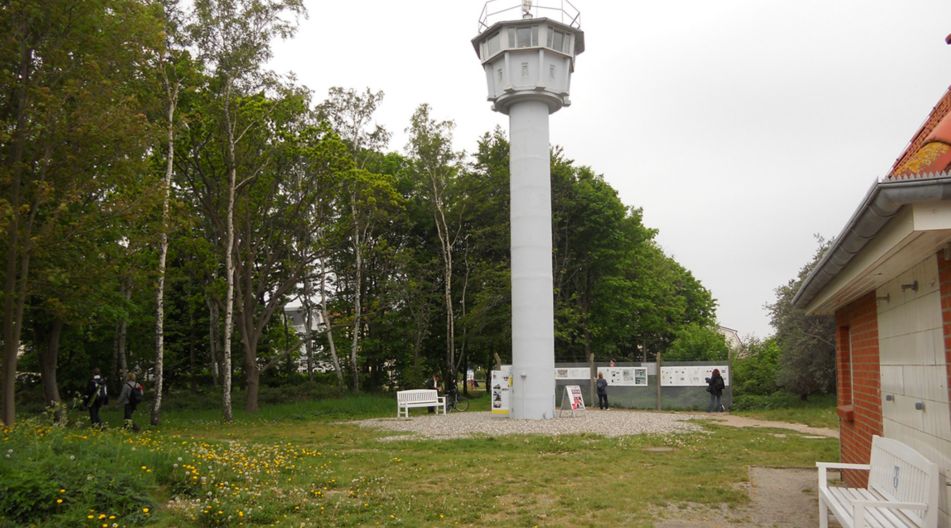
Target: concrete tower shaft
point(528, 64)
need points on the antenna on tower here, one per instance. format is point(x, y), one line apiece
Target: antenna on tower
point(526, 8)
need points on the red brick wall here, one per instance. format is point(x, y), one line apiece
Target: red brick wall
point(944, 277)
point(859, 395)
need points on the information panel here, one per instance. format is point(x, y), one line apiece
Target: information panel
point(625, 376)
point(501, 390)
point(691, 376)
point(572, 373)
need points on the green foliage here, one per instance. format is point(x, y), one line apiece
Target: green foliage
point(695, 342)
point(755, 372)
point(806, 342)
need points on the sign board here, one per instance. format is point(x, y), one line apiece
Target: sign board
point(501, 390)
point(572, 373)
point(572, 400)
point(691, 376)
point(624, 376)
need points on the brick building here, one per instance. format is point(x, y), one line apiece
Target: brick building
point(887, 281)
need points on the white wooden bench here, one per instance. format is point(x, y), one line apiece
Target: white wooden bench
point(418, 398)
point(902, 490)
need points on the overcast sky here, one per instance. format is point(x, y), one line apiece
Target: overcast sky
point(741, 127)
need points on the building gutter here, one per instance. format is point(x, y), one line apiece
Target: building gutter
point(883, 201)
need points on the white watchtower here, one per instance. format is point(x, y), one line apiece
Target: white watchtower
point(528, 63)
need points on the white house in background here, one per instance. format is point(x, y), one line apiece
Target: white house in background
point(732, 338)
point(297, 318)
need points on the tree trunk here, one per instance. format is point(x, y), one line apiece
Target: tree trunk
point(308, 333)
point(172, 94)
point(213, 339)
point(330, 334)
point(18, 259)
point(445, 249)
point(253, 377)
point(229, 264)
point(48, 340)
point(357, 293)
point(121, 364)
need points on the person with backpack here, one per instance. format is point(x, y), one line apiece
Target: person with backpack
point(130, 398)
point(96, 395)
point(715, 387)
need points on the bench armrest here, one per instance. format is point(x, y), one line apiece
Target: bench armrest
point(823, 466)
point(839, 465)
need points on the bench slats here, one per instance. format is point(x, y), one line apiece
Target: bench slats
point(418, 398)
point(902, 490)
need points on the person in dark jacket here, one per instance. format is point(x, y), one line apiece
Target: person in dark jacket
point(602, 392)
point(127, 401)
point(96, 396)
point(715, 387)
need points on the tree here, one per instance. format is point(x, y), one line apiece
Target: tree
point(696, 342)
point(806, 342)
point(351, 114)
point(756, 371)
point(435, 163)
point(71, 102)
point(175, 40)
point(234, 38)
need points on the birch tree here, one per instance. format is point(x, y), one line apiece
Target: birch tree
point(351, 114)
point(171, 84)
point(234, 38)
point(437, 165)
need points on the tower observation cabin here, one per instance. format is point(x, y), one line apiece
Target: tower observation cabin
point(530, 57)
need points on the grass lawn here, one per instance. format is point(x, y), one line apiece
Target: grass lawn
point(818, 411)
point(298, 465)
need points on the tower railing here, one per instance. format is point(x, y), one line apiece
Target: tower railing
point(497, 10)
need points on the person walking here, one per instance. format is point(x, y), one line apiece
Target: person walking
point(97, 395)
point(602, 392)
point(129, 398)
point(715, 387)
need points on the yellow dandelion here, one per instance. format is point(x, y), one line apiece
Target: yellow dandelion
point(59, 501)
point(146, 509)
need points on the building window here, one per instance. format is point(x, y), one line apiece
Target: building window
point(558, 40)
point(491, 46)
point(523, 37)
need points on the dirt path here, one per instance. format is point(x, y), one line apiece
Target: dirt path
point(779, 497)
point(743, 421)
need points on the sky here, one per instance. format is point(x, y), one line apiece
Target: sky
point(742, 128)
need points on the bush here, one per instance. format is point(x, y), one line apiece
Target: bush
point(755, 372)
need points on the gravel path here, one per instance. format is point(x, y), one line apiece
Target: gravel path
point(467, 424)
